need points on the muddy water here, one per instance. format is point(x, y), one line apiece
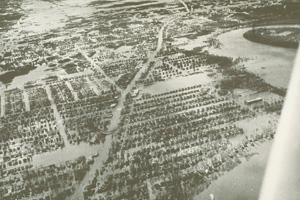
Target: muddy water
point(273, 64)
point(177, 83)
point(65, 154)
point(243, 182)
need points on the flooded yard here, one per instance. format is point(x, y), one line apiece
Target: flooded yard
point(244, 181)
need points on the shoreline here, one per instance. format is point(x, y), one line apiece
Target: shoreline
point(258, 38)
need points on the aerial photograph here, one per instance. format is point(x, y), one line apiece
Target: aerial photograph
point(142, 99)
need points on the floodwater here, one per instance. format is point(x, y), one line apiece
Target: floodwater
point(43, 16)
point(39, 73)
point(273, 64)
point(244, 181)
point(177, 83)
point(255, 126)
point(68, 153)
point(188, 44)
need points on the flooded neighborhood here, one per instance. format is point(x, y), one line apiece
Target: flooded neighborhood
point(141, 99)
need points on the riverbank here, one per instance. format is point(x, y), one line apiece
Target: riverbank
point(272, 64)
point(257, 37)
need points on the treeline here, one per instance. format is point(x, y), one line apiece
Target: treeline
point(238, 78)
point(234, 77)
point(222, 61)
point(253, 36)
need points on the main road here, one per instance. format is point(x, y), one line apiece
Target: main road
point(117, 112)
point(97, 67)
point(58, 118)
point(103, 153)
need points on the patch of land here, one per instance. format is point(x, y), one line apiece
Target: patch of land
point(287, 38)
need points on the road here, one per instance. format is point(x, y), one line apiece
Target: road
point(117, 112)
point(103, 152)
point(68, 84)
point(97, 67)
point(98, 161)
point(58, 120)
point(26, 101)
point(184, 4)
point(2, 104)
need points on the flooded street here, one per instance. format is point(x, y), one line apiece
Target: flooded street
point(70, 152)
point(58, 119)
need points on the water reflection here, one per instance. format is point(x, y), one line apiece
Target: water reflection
point(177, 83)
point(68, 153)
point(244, 181)
point(273, 64)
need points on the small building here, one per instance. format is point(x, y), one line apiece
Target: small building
point(135, 93)
point(113, 105)
point(251, 101)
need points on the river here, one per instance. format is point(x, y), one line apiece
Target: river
point(273, 64)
